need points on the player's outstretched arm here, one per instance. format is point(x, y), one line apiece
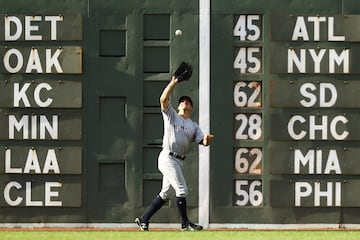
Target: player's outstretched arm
point(165, 96)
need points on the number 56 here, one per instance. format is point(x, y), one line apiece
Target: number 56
point(248, 193)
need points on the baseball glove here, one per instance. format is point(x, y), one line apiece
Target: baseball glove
point(183, 72)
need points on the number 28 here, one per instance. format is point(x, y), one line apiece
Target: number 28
point(250, 126)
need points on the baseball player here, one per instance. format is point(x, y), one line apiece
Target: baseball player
point(179, 132)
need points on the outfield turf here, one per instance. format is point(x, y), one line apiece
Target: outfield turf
point(177, 235)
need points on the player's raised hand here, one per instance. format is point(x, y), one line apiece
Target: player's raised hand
point(174, 79)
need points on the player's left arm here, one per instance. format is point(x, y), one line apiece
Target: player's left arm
point(201, 138)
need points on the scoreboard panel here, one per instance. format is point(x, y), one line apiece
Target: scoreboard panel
point(81, 128)
point(284, 83)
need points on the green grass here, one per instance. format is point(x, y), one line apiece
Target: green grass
point(177, 235)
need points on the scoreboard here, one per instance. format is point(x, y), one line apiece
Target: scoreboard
point(81, 128)
point(284, 82)
point(36, 117)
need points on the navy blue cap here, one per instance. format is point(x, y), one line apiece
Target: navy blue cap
point(183, 98)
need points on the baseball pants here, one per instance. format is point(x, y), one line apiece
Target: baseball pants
point(173, 177)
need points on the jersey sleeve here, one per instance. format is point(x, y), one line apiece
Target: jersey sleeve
point(199, 135)
point(169, 111)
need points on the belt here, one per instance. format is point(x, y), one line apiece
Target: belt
point(177, 156)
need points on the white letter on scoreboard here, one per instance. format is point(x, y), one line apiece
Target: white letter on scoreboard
point(8, 168)
point(293, 59)
point(333, 124)
point(316, 20)
point(302, 189)
point(34, 62)
point(317, 58)
point(7, 190)
point(29, 201)
point(49, 194)
point(18, 125)
point(51, 129)
point(51, 163)
point(37, 95)
point(52, 60)
point(17, 34)
point(323, 127)
point(328, 194)
point(322, 96)
point(332, 163)
point(342, 58)
point(293, 135)
point(32, 162)
point(6, 60)
point(308, 94)
point(20, 94)
point(29, 28)
point(299, 158)
point(331, 36)
point(300, 30)
point(53, 26)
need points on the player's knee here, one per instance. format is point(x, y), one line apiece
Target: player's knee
point(182, 195)
point(164, 196)
point(182, 192)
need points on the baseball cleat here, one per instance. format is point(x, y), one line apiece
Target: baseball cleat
point(144, 226)
point(189, 226)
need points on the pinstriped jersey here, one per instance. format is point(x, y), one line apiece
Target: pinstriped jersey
point(179, 132)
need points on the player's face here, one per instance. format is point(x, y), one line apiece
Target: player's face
point(185, 105)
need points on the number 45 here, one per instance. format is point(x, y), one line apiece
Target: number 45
point(243, 28)
point(246, 61)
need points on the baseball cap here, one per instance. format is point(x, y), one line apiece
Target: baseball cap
point(183, 98)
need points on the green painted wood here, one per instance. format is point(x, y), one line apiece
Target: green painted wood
point(236, 181)
point(120, 55)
